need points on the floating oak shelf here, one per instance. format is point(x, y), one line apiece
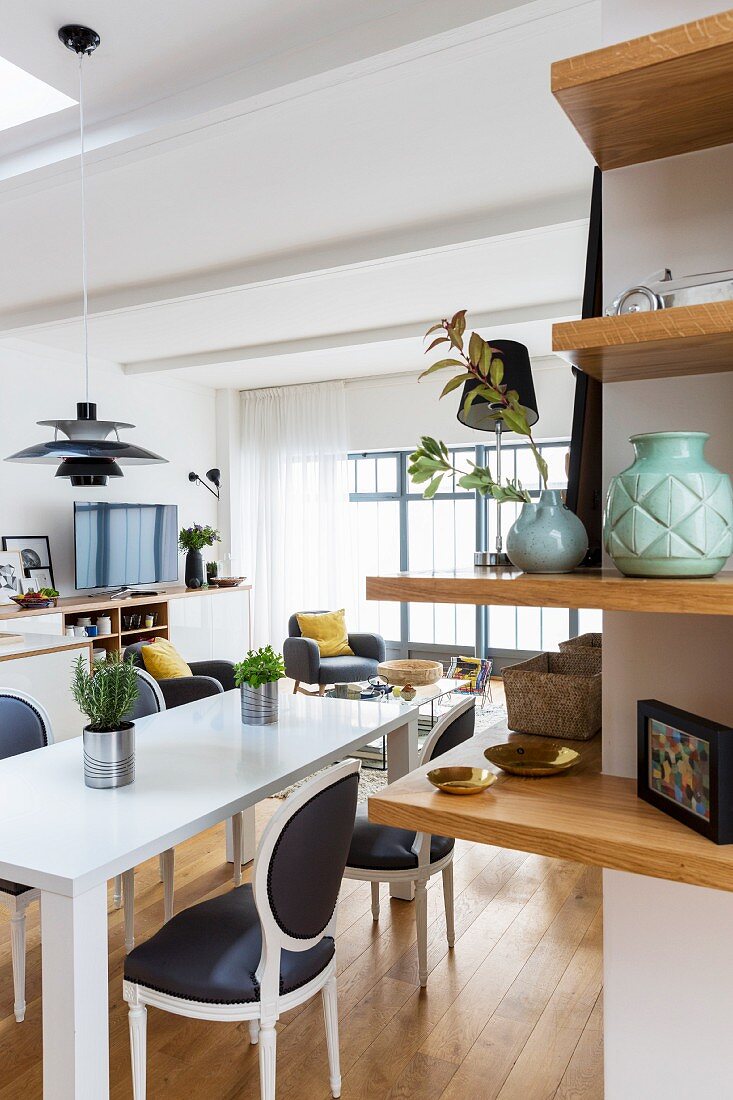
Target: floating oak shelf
point(593, 588)
point(581, 815)
point(664, 343)
point(666, 93)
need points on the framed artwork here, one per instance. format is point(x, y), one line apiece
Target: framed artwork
point(685, 768)
point(11, 575)
point(36, 579)
point(35, 552)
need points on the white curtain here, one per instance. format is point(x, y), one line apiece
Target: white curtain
point(295, 504)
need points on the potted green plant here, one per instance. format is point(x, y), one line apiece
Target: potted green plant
point(105, 695)
point(256, 677)
point(191, 541)
point(546, 537)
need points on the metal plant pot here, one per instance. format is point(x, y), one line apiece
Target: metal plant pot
point(259, 705)
point(109, 756)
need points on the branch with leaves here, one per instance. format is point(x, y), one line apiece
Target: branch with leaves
point(482, 364)
point(431, 462)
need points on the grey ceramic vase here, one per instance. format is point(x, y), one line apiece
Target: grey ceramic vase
point(547, 537)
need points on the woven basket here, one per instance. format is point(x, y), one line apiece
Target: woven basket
point(556, 694)
point(583, 641)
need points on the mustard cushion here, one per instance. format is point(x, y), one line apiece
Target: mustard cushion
point(163, 661)
point(329, 630)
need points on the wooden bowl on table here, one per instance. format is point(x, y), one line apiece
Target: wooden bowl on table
point(229, 582)
point(417, 673)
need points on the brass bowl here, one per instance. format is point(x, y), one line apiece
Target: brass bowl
point(460, 780)
point(534, 760)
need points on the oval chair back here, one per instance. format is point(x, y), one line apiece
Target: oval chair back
point(455, 727)
point(24, 724)
point(299, 865)
point(150, 698)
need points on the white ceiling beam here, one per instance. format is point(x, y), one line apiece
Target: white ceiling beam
point(350, 254)
point(416, 330)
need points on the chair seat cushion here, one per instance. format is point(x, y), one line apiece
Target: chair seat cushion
point(14, 888)
point(384, 848)
point(210, 953)
point(342, 670)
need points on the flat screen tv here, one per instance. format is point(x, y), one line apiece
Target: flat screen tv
point(118, 545)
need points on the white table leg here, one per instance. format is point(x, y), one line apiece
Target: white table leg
point(402, 757)
point(249, 840)
point(75, 996)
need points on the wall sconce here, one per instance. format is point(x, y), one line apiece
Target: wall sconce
point(214, 476)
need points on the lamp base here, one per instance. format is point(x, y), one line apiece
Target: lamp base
point(489, 559)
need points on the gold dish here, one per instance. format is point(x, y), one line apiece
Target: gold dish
point(459, 780)
point(532, 760)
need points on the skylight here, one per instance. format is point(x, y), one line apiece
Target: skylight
point(24, 97)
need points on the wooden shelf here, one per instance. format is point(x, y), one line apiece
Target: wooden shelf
point(665, 343)
point(658, 96)
point(161, 629)
point(593, 588)
point(581, 815)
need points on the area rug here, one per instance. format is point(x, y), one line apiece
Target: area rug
point(372, 780)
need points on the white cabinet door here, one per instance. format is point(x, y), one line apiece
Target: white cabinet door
point(34, 624)
point(189, 627)
point(230, 622)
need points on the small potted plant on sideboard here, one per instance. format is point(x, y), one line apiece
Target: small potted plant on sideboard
point(105, 695)
point(192, 540)
point(256, 677)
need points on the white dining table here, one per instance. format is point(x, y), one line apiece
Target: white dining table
point(196, 765)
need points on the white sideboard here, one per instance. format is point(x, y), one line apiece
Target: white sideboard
point(211, 627)
point(41, 665)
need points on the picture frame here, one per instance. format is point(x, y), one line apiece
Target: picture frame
point(35, 552)
point(685, 768)
point(11, 575)
point(36, 579)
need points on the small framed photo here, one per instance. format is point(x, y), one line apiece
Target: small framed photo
point(685, 768)
point(11, 575)
point(36, 579)
point(35, 551)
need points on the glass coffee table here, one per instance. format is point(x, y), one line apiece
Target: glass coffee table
point(433, 700)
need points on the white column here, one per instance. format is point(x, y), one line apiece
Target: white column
point(75, 996)
point(402, 757)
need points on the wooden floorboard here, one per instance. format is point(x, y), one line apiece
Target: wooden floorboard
point(513, 1013)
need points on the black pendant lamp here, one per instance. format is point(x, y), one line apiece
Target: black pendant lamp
point(88, 456)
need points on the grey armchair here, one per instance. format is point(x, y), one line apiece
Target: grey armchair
point(209, 678)
point(304, 664)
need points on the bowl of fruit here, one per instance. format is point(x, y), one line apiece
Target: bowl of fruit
point(35, 601)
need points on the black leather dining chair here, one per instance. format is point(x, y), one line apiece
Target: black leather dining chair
point(24, 725)
point(382, 853)
point(265, 947)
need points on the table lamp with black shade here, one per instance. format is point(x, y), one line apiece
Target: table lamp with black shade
point(517, 376)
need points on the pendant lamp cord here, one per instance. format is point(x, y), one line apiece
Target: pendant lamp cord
point(85, 295)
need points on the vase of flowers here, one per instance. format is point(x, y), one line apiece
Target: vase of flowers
point(106, 695)
point(256, 677)
point(191, 541)
point(546, 537)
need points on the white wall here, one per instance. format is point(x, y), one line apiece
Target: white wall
point(395, 410)
point(175, 420)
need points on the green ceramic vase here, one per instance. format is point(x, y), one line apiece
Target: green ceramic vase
point(671, 513)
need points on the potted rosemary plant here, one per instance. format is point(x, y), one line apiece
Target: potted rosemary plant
point(546, 536)
point(256, 677)
point(106, 695)
point(191, 541)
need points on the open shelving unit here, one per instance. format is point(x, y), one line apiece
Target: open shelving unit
point(665, 343)
point(652, 97)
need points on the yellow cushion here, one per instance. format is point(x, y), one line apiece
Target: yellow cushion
point(329, 630)
point(163, 661)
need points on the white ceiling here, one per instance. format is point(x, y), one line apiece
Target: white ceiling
point(434, 174)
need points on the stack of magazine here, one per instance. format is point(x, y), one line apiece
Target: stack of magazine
point(476, 671)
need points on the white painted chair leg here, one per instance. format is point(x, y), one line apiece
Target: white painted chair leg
point(138, 1019)
point(161, 867)
point(167, 864)
point(330, 1015)
point(117, 898)
point(268, 1060)
point(448, 901)
point(254, 1032)
point(375, 900)
point(421, 919)
point(17, 949)
point(128, 890)
point(237, 846)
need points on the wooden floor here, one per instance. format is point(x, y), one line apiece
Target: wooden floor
point(514, 1012)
